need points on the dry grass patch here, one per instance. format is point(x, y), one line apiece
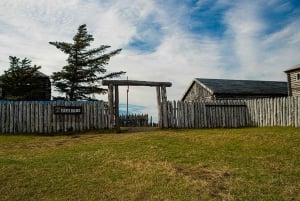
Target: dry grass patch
point(215, 181)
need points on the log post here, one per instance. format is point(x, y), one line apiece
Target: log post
point(111, 106)
point(158, 97)
point(117, 122)
point(164, 107)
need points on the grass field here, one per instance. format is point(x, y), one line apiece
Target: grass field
point(214, 164)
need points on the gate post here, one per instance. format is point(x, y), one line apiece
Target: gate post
point(164, 107)
point(117, 122)
point(158, 98)
point(110, 106)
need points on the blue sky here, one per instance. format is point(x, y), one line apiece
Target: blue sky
point(162, 40)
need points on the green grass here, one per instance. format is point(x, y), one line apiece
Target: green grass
point(202, 164)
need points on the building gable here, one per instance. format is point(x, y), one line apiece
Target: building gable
point(197, 91)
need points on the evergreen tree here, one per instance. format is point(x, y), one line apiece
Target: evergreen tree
point(86, 67)
point(21, 81)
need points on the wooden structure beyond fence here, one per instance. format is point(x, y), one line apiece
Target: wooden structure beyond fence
point(134, 120)
point(235, 113)
point(52, 116)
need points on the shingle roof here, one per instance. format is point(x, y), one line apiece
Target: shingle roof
point(40, 74)
point(297, 67)
point(245, 87)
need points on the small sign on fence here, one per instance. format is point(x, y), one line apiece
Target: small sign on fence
point(67, 109)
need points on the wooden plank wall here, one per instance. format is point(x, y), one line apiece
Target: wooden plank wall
point(235, 113)
point(294, 83)
point(39, 117)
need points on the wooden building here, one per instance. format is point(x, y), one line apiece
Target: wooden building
point(39, 91)
point(293, 77)
point(221, 89)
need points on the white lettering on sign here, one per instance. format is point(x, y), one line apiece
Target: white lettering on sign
point(67, 109)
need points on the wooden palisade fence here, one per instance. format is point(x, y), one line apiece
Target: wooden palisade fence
point(52, 116)
point(67, 116)
point(235, 113)
point(134, 120)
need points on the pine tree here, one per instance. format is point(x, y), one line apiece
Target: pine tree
point(21, 81)
point(86, 67)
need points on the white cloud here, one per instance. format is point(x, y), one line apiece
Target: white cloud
point(289, 35)
point(260, 55)
point(243, 31)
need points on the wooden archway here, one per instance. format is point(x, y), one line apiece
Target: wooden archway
point(113, 99)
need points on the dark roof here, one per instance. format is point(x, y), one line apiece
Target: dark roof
point(40, 74)
point(245, 87)
point(297, 67)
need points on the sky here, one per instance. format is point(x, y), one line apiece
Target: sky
point(161, 40)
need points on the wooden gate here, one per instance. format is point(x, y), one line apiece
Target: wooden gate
point(113, 100)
